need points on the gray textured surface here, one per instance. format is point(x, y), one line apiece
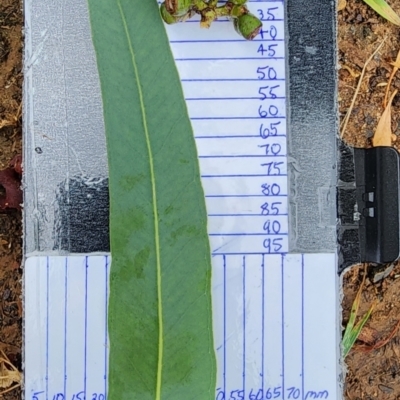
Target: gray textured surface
point(65, 141)
point(64, 131)
point(312, 126)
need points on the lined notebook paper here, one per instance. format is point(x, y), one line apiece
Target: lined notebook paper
point(275, 314)
point(274, 327)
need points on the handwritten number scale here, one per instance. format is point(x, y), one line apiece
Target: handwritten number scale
point(235, 92)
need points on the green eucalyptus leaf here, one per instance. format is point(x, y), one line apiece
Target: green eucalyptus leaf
point(160, 315)
point(383, 9)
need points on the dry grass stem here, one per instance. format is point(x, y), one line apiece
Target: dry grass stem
point(345, 121)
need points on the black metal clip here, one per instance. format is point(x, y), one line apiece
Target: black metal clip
point(368, 198)
point(377, 174)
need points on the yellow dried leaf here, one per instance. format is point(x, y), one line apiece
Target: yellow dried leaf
point(396, 66)
point(5, 123)
point(383, 133)
point(341, 5)
point(9, 378)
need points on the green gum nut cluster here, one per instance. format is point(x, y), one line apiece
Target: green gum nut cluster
point(166, 16)
point(246, 24)
point(178, 7)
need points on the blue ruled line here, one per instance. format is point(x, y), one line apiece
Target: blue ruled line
point(236, 137)
point(246, 253)
point(47, 326)
point(229, 58)
point(232, 80)
point(247, 156)
point(242, 176)
point(234, 118)
point(283, 325)
point(86, 304)
point(226, 40)
point(196, 20)
point(302, 325)
point(262, 320)
point(243, 215)
point(243, 195)
point(224, 260)
point(106, 330)
point(65, 325)
point(244, 326)
point(231, 98)
point(247, 234)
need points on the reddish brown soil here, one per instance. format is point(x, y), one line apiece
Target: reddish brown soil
point(374, 374)
point(10, 146)
point(371, 375)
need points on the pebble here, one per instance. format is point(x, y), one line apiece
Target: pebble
point(381, 274)
point(385, 389)
point(6, 294)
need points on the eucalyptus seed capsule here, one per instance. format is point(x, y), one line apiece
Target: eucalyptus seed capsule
point(178, 7)
point(247, 25)
point(208, 15)
point(238, 2)
point(166, 16)
point(238, 10)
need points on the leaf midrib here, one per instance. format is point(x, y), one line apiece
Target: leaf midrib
point(155, 210)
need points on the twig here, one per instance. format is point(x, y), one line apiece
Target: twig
point(396, 66)
point(380, 343)
point(344, 123)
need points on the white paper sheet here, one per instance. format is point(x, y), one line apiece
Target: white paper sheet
point(274, 327)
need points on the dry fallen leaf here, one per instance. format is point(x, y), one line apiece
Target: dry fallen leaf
point(9, 378)
point(368, 335)
point(396, 66)
point(380, 343)
point(5, 123)
point(341, 5)
point(383, 133)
